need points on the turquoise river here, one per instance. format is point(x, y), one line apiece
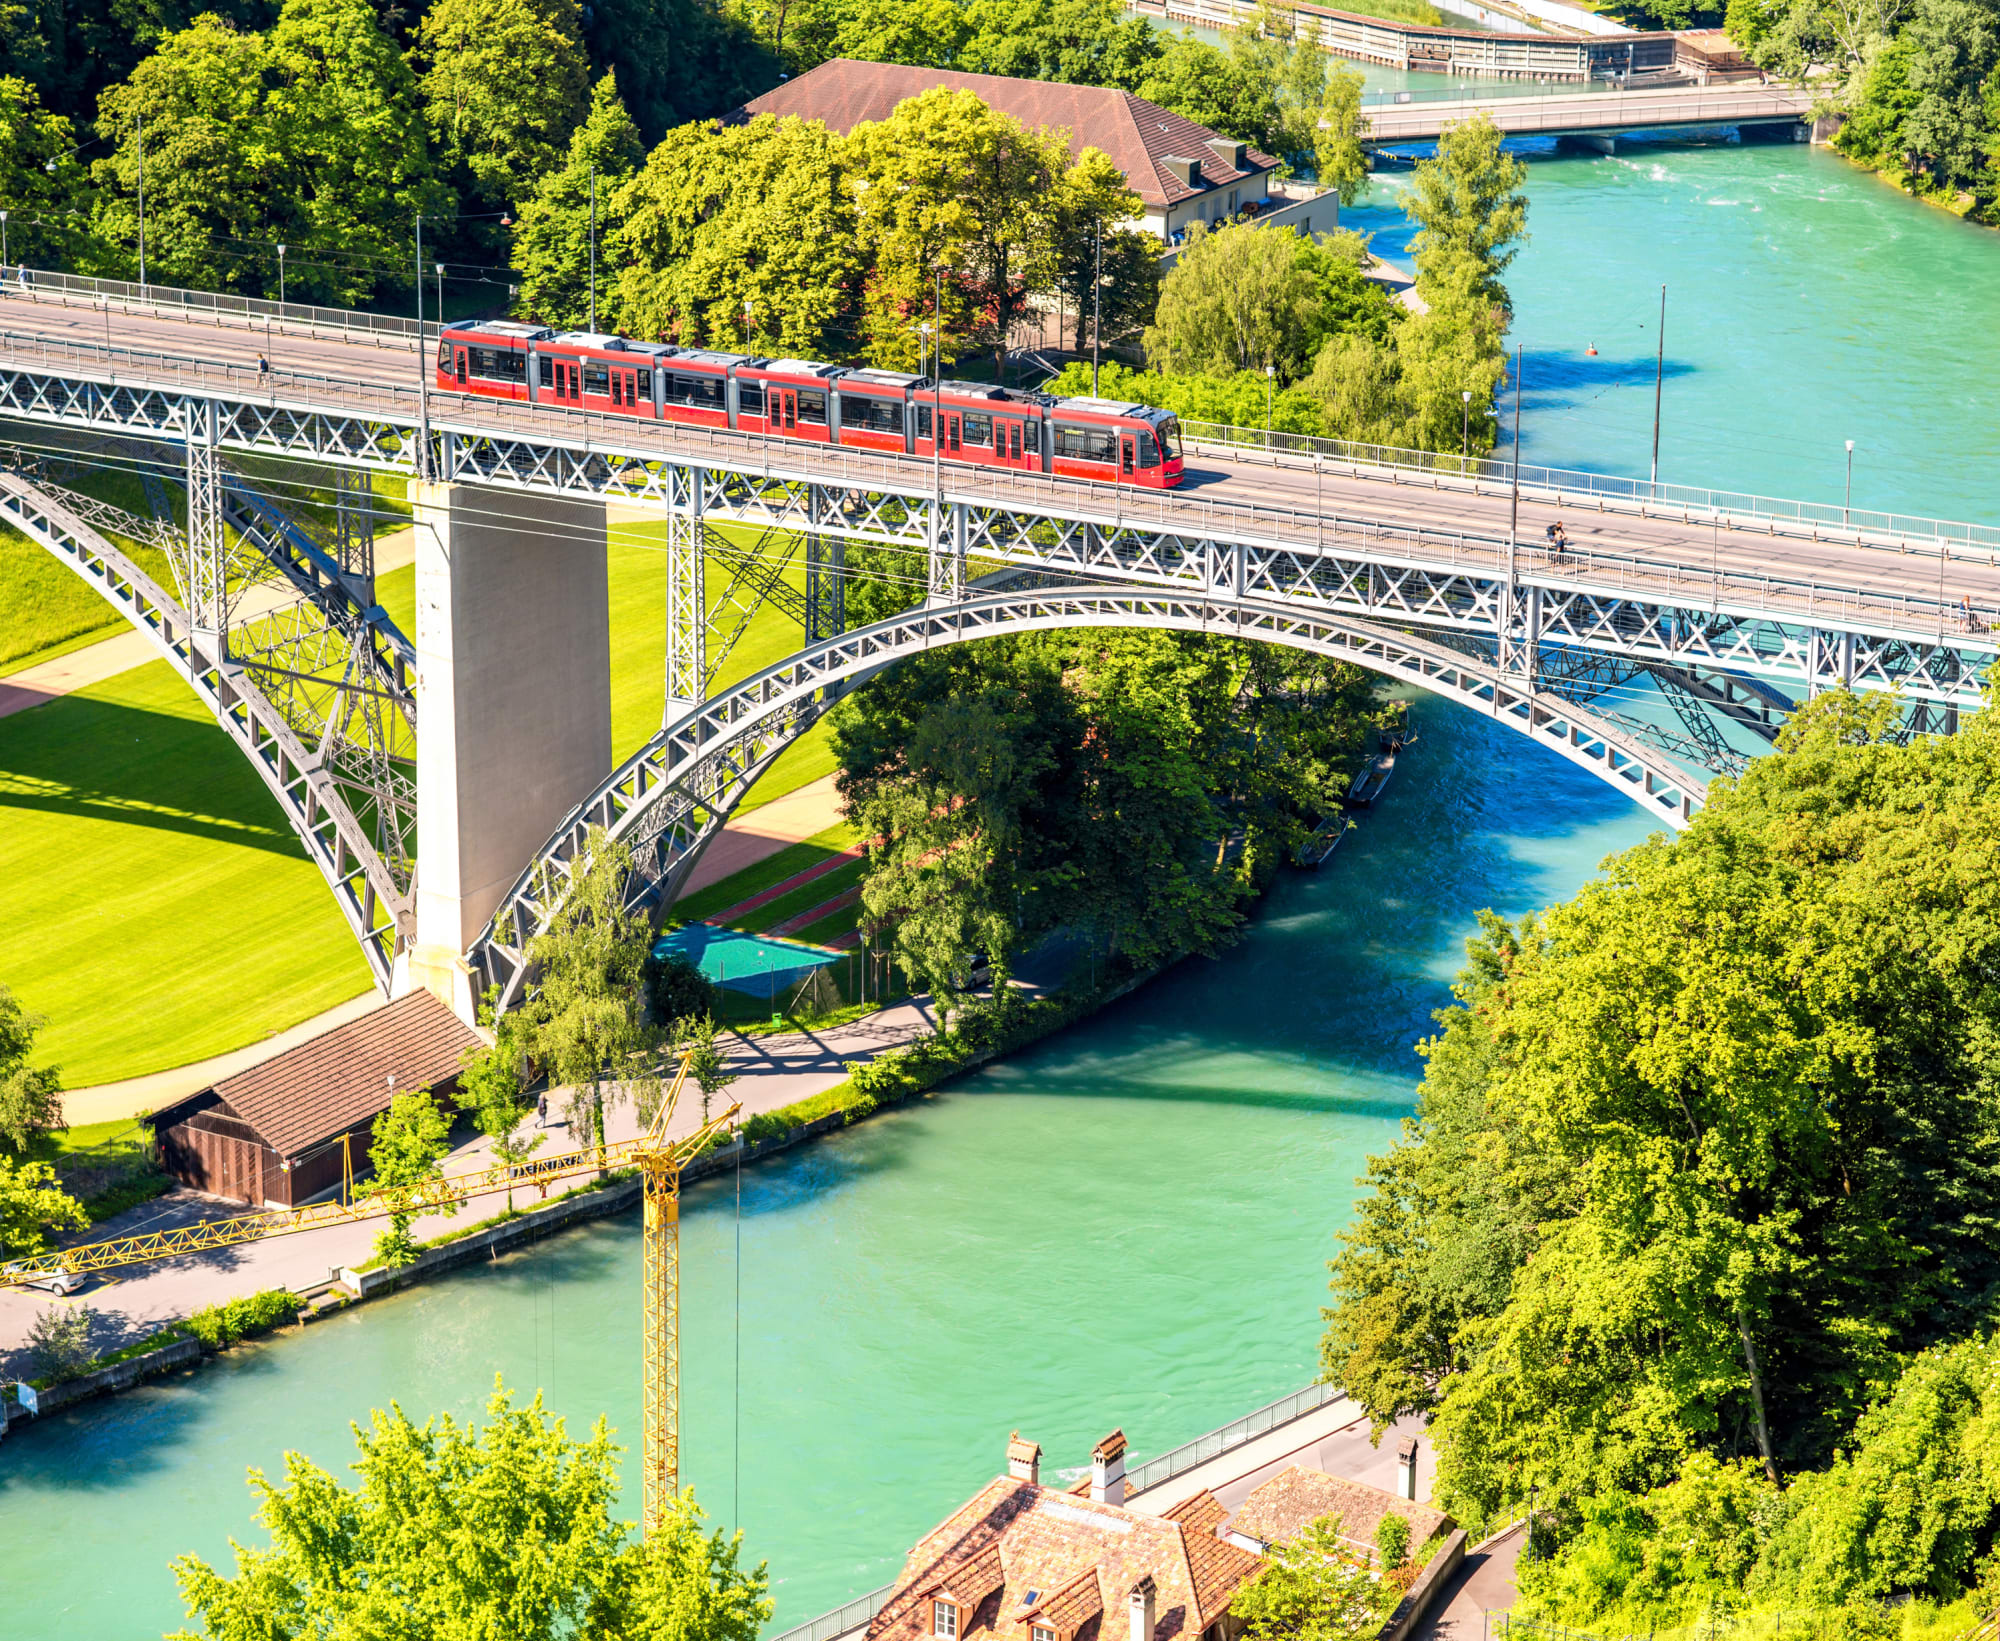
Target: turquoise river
point(1127, 1226)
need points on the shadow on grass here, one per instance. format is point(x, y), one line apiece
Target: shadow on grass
point(86, 757)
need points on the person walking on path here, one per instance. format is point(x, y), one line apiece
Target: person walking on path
point(542, 1110)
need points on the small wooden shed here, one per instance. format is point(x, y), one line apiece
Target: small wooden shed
point(272, 1135)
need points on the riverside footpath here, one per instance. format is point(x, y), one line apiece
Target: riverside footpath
point(135, 1302)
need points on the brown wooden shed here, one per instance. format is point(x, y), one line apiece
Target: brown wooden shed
point(272, 1135)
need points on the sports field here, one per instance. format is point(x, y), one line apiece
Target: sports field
point(156, 907)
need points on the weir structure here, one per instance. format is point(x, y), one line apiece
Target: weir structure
point(446, 781)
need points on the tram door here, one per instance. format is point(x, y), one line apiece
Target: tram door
point(950, 419)
point(460, 370)
point(1127, 455)
point(784, 409)
point(1007, 444)
point(625, 388)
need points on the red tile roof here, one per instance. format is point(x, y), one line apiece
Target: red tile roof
point(1296, 1497)
point(1081, 1559)
point(341, 1077)
point(1138, 136)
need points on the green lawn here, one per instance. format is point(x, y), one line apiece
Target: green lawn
point(159, 910)
point(765, 874)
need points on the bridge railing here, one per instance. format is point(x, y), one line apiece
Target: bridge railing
point(208, 307)
point(1482, 474)
point(623, 447)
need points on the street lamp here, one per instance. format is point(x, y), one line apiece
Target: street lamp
point(440, 279)
point(1464, 427)
point(1847, 500)
point(142, 204)
point(593, 249)
point(3, 239)
point(281, 276)
point(1659, 374)
point(1270, 377)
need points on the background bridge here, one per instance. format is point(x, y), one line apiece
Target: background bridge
point(486, 732)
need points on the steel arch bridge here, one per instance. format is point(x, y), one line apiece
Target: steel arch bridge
point(1732, 606)
point(671, 797)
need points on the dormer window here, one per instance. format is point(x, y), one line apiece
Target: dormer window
point(944, 1619)
point(1044, 1633)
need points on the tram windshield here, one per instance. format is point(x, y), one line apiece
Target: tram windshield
point(1170, 439)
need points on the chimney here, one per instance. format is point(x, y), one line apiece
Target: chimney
point(1142, 1609)
point(1024, 1460)
point(1406, 1469)
point(1188, 171)
point(1230, 153)
point(1107, 1470)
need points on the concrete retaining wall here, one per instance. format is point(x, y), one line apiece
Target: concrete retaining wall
point(1423, 1594)
point(122, 1376)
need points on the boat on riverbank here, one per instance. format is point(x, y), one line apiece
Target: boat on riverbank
point(1373, 781)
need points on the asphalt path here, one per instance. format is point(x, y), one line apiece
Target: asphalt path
point(1775, 566)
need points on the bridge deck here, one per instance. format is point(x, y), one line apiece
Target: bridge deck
point(1592, 113)
point(1617, 550)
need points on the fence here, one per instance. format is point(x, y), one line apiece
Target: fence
point(213, 307)
point(842, 1619)
point(1234, 1434)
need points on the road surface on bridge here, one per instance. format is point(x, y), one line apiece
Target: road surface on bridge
point(1592, 112)
point(1656, 556)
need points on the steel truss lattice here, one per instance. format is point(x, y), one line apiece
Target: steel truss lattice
point(667, 800)
point(376, 904)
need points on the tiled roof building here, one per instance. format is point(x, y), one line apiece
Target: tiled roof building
point(1181, 171)
point(1293, 1499)
point(1023, 1562)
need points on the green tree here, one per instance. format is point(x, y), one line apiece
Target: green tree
point(490, 1083)
point(30, 1096)
point(677, 989)
point(501, 1529)
point(1082, 42)
point(31, 1205)
point(947, 182)
point(677, 60)
point(1199, 82)
point(405, 1145)
point(922, 33)
point(504, 86)
point(585, 1022)
point(1954, 52)
point(707, 1064)
point(1340, 162)
point(1467, 203)
point(755, 213)
point(1107, 273)
point(1237, 299)
point(48, 215)
point(59, 1342)
point(1313, 1588)
point(552, 238)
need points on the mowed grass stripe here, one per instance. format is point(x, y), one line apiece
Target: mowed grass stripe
point(804, 898)
point(768, 872)
point(157, 908)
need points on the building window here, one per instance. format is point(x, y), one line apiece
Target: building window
point(1044, 1633)
point(944, 1619)
point(1232, 200)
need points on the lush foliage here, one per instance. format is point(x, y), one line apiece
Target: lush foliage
point(30, 1096)
point(405, 1145)
point(59, 1343)
point(1131, 787)
point(1314, 1587)
point(497, 1529)
point(1704, 1158)
point(1915, 83)
point(677, 990)
point(31, 1205)
point(220, 1326)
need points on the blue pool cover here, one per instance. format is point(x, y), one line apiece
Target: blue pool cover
point(752, 963)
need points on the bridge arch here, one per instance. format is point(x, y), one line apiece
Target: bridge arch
point(671, 797)
point(303, 776)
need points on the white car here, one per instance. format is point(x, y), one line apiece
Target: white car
point(56, 1281)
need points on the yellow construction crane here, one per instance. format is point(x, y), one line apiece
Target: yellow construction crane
point(659, 1161)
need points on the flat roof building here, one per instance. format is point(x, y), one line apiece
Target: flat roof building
point(1181, 171)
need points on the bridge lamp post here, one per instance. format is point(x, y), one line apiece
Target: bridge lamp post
point(142, 204)
point(439, 266)
point(3, 239)
point(1270, 377)
point(1847, 498)
point(281, 276)
point(1464, 428)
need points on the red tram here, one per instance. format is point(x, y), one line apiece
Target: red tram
point(963, 422)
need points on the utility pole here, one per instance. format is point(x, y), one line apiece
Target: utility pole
point(1847, 498)
point(593, 249)
point(1464, 427)
point(423, 366)
point(3, 239)
point(281, 276)
point(439, 267)
point(1096, 303)
point(1659, 371)
point(1514, 511)
point(142, 204)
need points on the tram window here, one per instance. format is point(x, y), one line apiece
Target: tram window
point(596, 377)
point(1077, 442)
point(978, 430)
point(1031, 437)
point(1149, 452)
point(867, 414)
point(444, 356)
point(812, 406)
point(923, 421)
point(498, 365)
point(702, 392)
point(750, 398)
point(1170, 440)
point(645, 380)
point(548, 371)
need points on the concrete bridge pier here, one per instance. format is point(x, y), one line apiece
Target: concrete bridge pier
point(513, 650)
point(1595, 142)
